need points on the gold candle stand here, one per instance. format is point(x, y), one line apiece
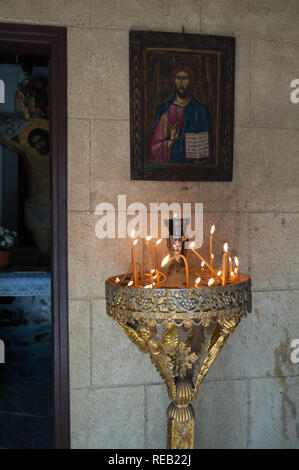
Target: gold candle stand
point(183, 330)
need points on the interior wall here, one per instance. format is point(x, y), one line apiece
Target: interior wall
point(8, 159)
point(249, 398)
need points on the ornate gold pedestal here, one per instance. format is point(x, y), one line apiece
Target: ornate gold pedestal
point(183, 330)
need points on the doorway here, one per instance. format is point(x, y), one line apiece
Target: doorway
point(37, 134)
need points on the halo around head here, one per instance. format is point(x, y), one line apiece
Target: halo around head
point(37, 123)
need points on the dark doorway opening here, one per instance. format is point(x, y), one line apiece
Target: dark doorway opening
point(47, 45)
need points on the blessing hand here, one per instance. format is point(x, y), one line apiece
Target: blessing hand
point(174, 132)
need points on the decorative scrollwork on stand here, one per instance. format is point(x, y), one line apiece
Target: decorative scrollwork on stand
point(182, 306)
point(183, 330)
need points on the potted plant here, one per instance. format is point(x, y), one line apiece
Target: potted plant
point(7, 239)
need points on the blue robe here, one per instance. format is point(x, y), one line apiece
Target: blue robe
point(196, 119)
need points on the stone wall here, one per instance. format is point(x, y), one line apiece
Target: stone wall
point(248, 400)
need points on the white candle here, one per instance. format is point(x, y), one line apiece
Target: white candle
point(176, 230)
point(211, 244)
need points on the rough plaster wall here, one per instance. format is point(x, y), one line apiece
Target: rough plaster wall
point(249, 398)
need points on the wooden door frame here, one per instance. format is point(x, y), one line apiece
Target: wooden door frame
point(52, 41)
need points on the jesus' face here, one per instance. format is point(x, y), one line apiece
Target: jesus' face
point(182, 83)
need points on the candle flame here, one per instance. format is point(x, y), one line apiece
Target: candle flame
point(130, 283)
point(225, 247)
point(165, 261)
point(219, 273)
point(192, 245)
point(211, 282)
point(149, 286)
point(212, 229)
point(117, 280)
point(202, 264)
point(198, 280)
point(135, 242)
point(159, 241)
point(153, 271)
point(212, 255)
point(236, 261)
point(148, 238)
point(236, 270)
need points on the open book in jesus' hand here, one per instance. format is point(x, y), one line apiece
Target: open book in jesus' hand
point(197, 145)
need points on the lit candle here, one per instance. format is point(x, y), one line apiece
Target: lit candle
point(230, 270)
point(156, 252)
point(211, 244)
point(202, 267)
point(117, 280)
point(157, 261)
point(237, 269)
point(130, 283)
point(197, 282)
point(224, 263)
point(211, 282)
point(203, 260)
point(154, 275)
point(149, 259)
point(134, 243)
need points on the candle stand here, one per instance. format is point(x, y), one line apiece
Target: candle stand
point(183, 330)
point(182, 319)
